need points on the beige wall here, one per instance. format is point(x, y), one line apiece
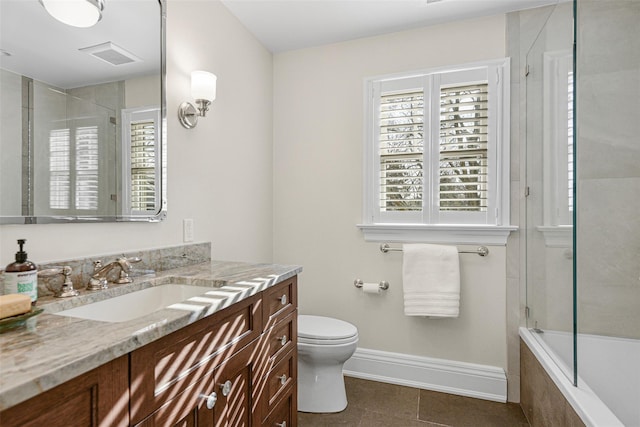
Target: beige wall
point(318, 151)
point(219, 173)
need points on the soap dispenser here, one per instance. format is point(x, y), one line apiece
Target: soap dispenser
point(21, 276)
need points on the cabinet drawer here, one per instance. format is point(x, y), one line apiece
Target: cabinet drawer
point(277, 382)
point(282, 338)
point(164, 368)
point(284, 414)
point(279, 301)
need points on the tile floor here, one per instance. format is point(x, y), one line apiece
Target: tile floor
point(374, 404)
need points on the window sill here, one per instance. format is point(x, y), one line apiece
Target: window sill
point(449, 234)
point(557, 236)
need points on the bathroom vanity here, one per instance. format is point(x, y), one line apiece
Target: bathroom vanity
point(232, 362)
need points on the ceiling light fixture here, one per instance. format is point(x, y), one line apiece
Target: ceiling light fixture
point(77, 13)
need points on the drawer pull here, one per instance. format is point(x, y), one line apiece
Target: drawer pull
point(282, 424)
point(283, 379)
point(211, 400)
point(283, 299)
point(226, 388)
point(283, 340)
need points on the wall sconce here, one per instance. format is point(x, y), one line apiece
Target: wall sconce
point(77, 13)
point(203, 90)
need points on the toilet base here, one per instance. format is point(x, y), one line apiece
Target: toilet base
point(321, 390)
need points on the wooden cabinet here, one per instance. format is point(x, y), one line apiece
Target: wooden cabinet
point(97, 398)
point(237, 367)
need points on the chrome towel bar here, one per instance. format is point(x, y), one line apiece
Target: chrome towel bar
point(482, 250)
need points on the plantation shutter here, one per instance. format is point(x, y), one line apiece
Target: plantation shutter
point(463, 148)
point(87, 168)
point(435, 153)
point(59, 169)
point(143, 166)
point(401, 150)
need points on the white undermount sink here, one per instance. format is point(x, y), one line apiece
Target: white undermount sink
point(135, 304)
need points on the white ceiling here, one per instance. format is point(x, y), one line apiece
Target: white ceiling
point(283, 25)
point(49, 51)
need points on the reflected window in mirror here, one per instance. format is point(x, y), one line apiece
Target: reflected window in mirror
point(141, 172)
point(558, 138)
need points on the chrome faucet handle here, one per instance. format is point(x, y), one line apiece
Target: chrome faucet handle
point(97, 282)
point(125, 268)
point(67, 287)
point(124, 277)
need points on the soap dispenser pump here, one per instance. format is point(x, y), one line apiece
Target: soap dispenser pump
point(21, 276)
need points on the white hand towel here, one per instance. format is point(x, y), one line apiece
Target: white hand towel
point(431, 280)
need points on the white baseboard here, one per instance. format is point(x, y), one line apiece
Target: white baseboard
point(448, 376)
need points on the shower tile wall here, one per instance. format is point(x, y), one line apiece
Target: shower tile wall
point(608, 168)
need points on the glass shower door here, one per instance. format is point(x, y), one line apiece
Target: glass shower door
point(549, 204)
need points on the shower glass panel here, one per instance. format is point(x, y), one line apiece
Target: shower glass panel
point(550, 203)
point(74, 142)
point(608, 198)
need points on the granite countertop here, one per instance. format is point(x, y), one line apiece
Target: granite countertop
point(51, 349)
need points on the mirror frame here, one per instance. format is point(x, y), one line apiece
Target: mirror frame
point(162, 213)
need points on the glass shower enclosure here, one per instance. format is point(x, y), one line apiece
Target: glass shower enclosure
point(583, 203)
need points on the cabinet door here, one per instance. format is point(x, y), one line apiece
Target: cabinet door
point(221, 398)
point(233, 381)
point(165, 368)
point(98, 398)
point(193, 407)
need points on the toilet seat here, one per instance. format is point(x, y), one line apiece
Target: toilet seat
point(325, 330)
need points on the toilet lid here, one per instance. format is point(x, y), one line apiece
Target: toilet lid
point(324, 328)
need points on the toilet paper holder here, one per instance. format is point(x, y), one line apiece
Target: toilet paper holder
point(383, 285)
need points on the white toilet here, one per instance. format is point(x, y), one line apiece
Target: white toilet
point(324, 344)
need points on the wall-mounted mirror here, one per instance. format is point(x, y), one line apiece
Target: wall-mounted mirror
point(82, 114)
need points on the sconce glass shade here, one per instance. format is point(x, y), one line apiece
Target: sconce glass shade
point(77, 13)
point(203, 85)
point(203, 90)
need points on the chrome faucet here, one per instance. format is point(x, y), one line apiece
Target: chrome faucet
point(67, 287)
point(98, 280)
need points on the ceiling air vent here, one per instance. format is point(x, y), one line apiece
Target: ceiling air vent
point(111, 53)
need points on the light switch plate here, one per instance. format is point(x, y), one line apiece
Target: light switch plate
point(187, 230)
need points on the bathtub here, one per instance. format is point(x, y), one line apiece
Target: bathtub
point(611, 366)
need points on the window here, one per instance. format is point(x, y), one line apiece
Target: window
point(436, 155)
point(73, 168)
point(558, 82)
point(59, 169)
point(558, 138)
point(141, 180)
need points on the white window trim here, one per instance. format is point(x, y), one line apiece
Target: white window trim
point(130, 115)
point(497, 233)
